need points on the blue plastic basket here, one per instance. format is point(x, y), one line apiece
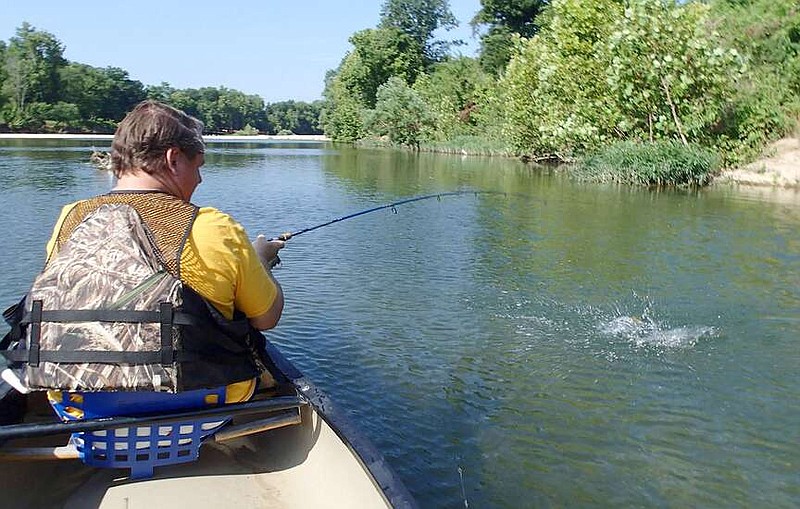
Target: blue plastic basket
point(144, 447)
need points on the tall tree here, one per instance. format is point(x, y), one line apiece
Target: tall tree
point(455, 94)
point(33, 60)
point(519, 16)
point(341, 115)
point(767, 103)
point(420, 19)
point(672, 78)
point(160, 92)
point(379, 54)
point(2, 79)
point(599, 72)
point(122, 93)
point(556, 96)
point(100, 93)
point(400, 113)
point(503, 19)
point(296, 116)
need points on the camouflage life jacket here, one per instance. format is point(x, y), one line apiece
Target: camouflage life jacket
point(110, 312)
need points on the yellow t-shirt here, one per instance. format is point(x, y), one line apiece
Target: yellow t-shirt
point(220, 263)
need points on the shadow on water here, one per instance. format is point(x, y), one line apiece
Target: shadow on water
point(402, 173)
point(231, 156)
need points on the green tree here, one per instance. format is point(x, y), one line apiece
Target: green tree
point(341, 115)
point(767, 101)
point(237, 109)
point(52, 117)
point(556, 97)
point(206, 102)
point(3, 99)
point(377, 55)
point(100, 93)
point(161, 92)
point(455, 93)
point(222, 110)
point(32, 62)
point(419, 19)
point(599, 72)
point(670, 74)
point(188, 100)
point(400, 114)
point(503, 19)
point(121, 93)
point(402, 46)
point(295, 116)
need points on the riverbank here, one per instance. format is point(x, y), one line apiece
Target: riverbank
point(227, 137)
point(779, 167)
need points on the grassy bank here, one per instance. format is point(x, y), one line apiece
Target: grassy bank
point(649, 164)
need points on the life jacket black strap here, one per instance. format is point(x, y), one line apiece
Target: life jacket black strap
point(36, 333)
point(166, 316)
point(110, 315)
point(100, 356)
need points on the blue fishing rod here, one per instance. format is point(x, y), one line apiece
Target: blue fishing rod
point(393, 206)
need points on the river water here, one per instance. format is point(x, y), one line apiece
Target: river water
point(564, 345)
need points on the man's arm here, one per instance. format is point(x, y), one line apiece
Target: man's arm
point(270, 319)
point(268, 254)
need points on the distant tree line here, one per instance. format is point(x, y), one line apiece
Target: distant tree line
point(41, 91)
point(561, 78)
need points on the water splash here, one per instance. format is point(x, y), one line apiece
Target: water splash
point(647, 330)
point(463, 489)
point(623, 326)
point(608, 330)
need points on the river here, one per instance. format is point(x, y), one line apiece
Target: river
point(564, 345)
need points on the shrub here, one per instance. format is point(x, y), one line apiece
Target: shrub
point(247, 130)
point(400, 113)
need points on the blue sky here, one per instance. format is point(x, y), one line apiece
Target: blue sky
point(278, 50)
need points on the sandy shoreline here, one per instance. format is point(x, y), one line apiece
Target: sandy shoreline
point(779, 167)
point(231, 137)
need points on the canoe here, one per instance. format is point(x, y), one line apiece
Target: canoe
point(290, 448)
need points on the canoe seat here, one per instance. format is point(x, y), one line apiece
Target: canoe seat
point(143, 447)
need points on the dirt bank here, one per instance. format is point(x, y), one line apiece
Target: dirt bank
point(780, 166)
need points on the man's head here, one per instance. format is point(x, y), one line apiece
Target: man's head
point(146, 134)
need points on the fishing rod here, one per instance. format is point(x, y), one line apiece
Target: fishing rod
point(393, 206)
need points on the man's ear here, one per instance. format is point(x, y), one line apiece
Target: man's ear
point(172, 156)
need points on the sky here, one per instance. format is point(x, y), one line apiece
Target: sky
point(279, 50)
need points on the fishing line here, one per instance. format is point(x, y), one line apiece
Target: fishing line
point(393, 206)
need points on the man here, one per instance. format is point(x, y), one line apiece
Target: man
point(148, 223)
point(159, 148)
